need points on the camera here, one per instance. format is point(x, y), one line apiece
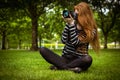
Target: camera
point(72, 13)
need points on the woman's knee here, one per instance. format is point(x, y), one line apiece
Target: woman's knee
point(87, 59)
point(87, 62)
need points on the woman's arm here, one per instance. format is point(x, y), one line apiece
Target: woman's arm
point(73, 35)
point(70, 34)
point(65, 34)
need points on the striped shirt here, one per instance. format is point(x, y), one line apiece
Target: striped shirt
point(71, 41)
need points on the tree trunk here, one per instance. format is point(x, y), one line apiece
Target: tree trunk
point(34, 33)
point(34, 18)
point(40, 39)
point(115, 42)
point(3, 40)
point(119, 44)
point(105, 41)
point(19, 44)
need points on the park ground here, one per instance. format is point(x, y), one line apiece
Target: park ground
point(29, 65)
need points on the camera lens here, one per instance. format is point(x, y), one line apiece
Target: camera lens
point(66, 14)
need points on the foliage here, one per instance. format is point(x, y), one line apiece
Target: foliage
point(26, 21)
point(28, 65)
point(21, 28)
point(13, 28)
point(108, 13)
point(115, 33)
point(5, 22)
point(51, 23)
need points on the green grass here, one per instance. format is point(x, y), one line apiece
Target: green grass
point(28, 65)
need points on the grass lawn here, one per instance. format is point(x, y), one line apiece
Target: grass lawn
point(28, 65)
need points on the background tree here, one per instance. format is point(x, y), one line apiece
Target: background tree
point(108, 12)
point(20, 34)
point(115, 34)
point(46, 20)
point(51, 22)
point(34, 8)
point(5, 20)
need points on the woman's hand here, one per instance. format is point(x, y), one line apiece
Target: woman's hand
point(70, 20)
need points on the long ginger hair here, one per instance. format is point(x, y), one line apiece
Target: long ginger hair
point(88, 25)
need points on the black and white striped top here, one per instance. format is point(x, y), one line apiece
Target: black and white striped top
point(70, 39)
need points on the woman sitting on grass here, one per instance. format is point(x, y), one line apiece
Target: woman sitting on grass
point(77, 35)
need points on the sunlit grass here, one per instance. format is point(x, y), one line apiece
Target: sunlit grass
point(28, 65)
